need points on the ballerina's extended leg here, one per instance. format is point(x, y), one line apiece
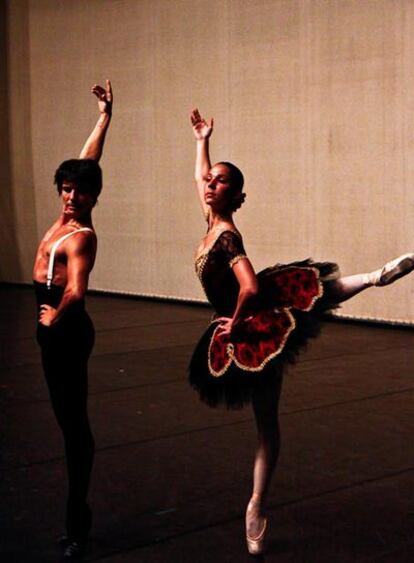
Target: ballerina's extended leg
point(392, 271)
point(348, 286)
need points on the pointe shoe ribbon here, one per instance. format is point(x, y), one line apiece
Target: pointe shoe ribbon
point(255, 545)
point(393, 270)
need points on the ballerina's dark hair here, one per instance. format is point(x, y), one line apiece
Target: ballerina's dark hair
point(84, 172)
point(237, 183)
point(236, 176)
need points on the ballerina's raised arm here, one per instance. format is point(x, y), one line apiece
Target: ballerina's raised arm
point(202, 131)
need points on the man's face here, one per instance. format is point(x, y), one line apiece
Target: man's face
point(76, 202)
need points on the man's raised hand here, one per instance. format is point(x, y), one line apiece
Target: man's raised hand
point(105, 97)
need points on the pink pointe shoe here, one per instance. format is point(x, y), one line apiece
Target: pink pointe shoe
point(393, 270)
point(255, 546)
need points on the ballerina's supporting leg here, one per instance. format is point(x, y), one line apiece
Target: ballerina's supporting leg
point(265, 407)
point(266, 404)
point(347, 287)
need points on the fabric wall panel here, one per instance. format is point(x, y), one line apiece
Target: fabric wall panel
point(312, 99)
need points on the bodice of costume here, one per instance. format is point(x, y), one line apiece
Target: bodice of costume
point(287, 310)
point(214, 267)
point(286, 292)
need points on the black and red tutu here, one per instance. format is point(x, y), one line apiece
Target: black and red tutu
point(291, 302)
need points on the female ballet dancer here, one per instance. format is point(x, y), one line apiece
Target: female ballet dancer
point(261, 320)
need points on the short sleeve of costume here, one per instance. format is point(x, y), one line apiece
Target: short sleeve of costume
point(232, 247)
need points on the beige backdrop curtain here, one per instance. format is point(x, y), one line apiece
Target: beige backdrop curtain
point(313, 99)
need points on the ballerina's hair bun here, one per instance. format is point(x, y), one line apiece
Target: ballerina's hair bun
point(238, 201)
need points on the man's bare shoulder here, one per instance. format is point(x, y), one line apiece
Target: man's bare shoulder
point(82, 241)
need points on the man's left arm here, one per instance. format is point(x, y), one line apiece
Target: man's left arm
point(80, 252)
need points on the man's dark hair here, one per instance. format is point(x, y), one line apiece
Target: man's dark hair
point(84, 172)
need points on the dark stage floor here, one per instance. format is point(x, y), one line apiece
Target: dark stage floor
point(172, 477)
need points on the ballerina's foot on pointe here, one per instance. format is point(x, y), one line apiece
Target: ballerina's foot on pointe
point(256, 526)
point(392, 271)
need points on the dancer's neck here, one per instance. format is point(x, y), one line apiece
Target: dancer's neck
point(219, 219)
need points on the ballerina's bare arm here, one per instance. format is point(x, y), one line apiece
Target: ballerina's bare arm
point(202, 132)
point(247, 279)
point(95, 142)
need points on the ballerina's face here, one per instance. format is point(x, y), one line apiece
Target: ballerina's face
point(218, 191)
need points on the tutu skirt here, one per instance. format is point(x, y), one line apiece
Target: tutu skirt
point(289, 308)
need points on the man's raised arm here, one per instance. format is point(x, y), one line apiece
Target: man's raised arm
point(95, 142)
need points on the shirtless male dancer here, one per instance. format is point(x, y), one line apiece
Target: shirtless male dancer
point(65, 332)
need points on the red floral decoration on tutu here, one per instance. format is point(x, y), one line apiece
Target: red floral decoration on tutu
point(264, 335)
point(293, 287)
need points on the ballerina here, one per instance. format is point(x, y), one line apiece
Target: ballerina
point(261, 321)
